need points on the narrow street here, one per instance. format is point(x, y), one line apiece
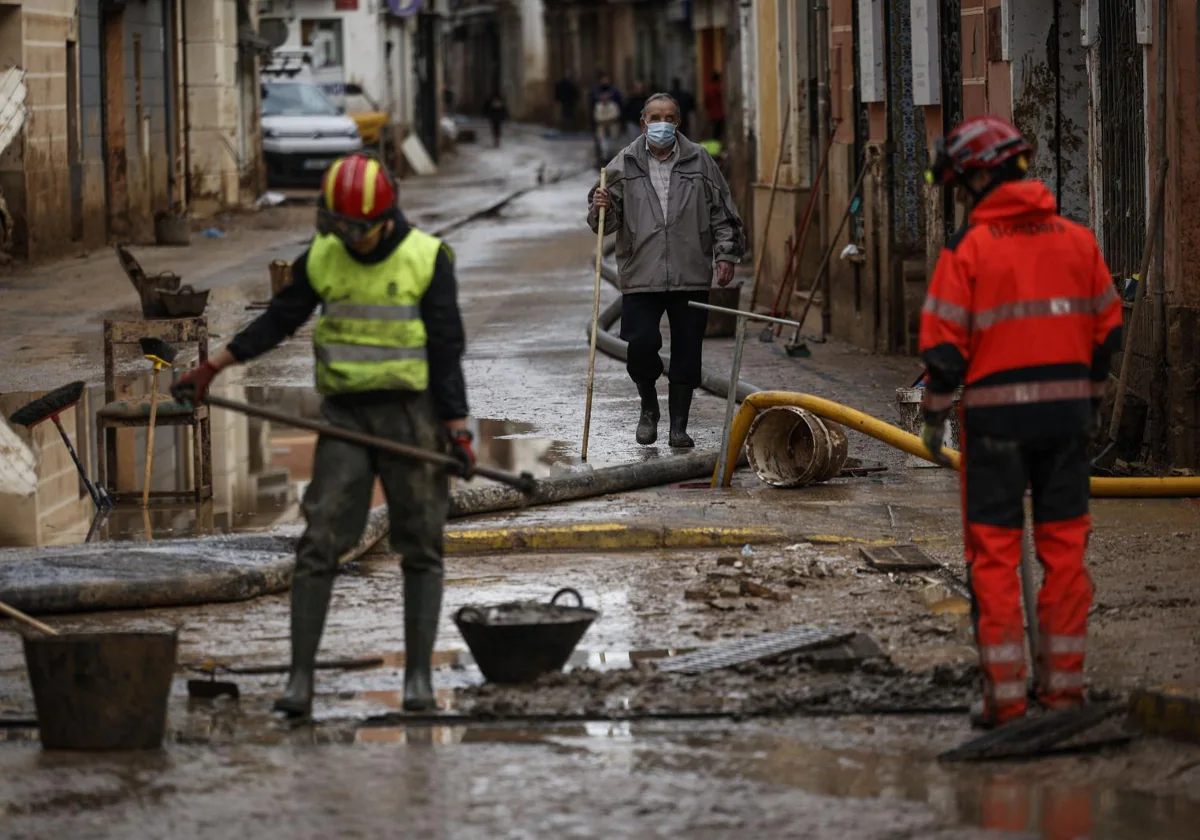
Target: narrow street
point(613, 747)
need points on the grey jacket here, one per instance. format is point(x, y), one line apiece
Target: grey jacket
point(702, 225)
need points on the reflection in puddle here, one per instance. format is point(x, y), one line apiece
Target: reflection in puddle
point(259, 469)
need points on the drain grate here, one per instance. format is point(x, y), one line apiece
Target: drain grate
point(899, 558)
point(749, 650)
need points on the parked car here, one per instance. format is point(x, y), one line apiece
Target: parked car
point(303, 132)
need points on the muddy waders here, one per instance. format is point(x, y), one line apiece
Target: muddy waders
point(336, 505)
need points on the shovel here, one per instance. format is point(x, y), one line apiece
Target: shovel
point(524, 482)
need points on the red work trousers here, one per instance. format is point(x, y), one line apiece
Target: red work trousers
point(996, 474)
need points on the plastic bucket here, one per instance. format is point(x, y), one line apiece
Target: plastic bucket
point(791, 447)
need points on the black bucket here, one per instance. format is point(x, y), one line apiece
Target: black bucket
point(101, 691)
point(520, 641)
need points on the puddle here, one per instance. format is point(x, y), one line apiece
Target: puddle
point(260, 469)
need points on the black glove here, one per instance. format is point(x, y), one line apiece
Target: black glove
point(459, 442)
point(191, 388)
point(933, 432)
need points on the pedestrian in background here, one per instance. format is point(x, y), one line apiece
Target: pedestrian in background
point(607, 118)
point(604, 86)
point(714, 105)
point(388, 345)
point(631, 112)
point(566, 94)
point(1022, 312)
point(676, 224)
point(687, 106)
point(496, 113)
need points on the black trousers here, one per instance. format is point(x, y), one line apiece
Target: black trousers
point(641, 315)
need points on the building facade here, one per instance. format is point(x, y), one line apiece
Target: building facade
point(879, 81)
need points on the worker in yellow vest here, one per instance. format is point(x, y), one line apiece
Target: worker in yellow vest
point(388, 346)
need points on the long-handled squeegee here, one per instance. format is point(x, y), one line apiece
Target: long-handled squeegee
point(524, 482)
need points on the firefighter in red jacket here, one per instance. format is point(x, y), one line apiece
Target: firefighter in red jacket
point(1023, 314)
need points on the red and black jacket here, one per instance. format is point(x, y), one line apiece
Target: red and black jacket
point(1022, 312)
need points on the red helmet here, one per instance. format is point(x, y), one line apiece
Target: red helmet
point(978, 143)
point(357, 193)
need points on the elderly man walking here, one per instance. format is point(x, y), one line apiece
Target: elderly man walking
point(674, 219)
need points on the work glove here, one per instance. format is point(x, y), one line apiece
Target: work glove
point(933, 432)
point(459, 441)
point(192, 388)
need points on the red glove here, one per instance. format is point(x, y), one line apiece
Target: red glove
point(192, 387)
point(460, 448)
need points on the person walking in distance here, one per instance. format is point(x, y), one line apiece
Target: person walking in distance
point(670, 208)
point(566, 94)
point(1022, 312)
point(388, 346)
point(496, 113)
point(607, 118)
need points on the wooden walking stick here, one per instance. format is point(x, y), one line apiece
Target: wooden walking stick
point(591, 380)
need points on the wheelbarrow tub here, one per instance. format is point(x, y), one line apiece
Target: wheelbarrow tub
point(101, 691)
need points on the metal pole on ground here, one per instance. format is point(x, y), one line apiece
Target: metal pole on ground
point(731, 400)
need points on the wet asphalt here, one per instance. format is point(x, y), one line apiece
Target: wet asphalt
point(525, 287)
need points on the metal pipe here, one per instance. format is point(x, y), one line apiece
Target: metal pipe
point(1160, 308)
point(751, 316)
point(731, 398)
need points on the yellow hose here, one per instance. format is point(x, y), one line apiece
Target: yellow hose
point(902, 440)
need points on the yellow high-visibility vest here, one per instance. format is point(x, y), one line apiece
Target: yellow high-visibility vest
point(370, 336)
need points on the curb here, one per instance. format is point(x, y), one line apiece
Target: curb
point(611, 536)
point(1171, 711)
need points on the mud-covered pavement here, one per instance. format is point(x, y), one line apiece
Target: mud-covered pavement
point(840, 748)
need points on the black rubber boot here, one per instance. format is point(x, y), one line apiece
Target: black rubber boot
point(647, 429)
point(422, 605)
point(678, 405)
point(310, 603)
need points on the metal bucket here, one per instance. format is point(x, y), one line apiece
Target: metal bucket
point(519, 641)
point(908, 403)
point(790, 447)
point(101, 691)
point(721, 325)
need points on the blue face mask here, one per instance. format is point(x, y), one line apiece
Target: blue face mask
point(660, 134)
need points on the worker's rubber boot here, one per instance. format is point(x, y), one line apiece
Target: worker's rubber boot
point(679, 405)
point(310, 603)
point(422, 605)
point(647, 428)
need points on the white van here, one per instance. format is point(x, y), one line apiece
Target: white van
point(303, 131)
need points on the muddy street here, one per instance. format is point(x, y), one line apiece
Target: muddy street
point(842, 742)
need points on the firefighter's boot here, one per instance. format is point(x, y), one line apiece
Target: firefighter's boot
point(310, 603)
point(422, 606)
point(679, 405)
point(647, 428)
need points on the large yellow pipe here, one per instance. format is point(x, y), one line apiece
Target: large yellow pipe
point(902, 440)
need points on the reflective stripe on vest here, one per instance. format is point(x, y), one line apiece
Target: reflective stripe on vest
point(1044, 308)
point(370, 335)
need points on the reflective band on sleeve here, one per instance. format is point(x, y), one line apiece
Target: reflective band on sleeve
point(1064, 681)
point(1003, 653)
point(1065, 644)
point(334, 354)
point(951, 312)
point(1009, 692)
point(372, 312)
point(1047, 308)
point(1027, 392)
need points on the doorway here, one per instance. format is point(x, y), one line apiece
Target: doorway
point(116, 161)
point(74, 141)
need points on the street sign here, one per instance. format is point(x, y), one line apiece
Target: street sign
point(405, 8)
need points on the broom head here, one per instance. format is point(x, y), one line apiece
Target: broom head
point(158, 351)
point(48, 405)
